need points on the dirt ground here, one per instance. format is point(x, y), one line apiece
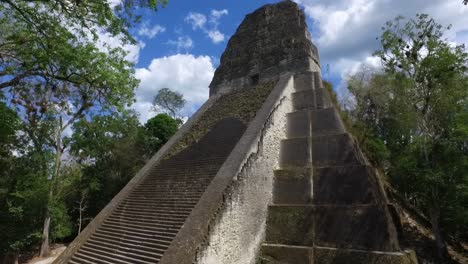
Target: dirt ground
point(55, 251)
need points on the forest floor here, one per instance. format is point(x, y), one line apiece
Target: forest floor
point(55, 251)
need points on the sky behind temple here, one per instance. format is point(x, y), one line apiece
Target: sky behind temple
point(180, 45)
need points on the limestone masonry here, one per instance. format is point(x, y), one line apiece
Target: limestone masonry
point(265, 172)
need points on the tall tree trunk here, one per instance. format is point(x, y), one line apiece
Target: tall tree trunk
point(45, 236)
point(439, 239)
point(58, 157)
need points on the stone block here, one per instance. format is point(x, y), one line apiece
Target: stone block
point(364, 227)
point(298, 124)
point(292, 187)
point(323, 255)
point(326, 122)
point(290, 225)
point(317, 80)
point(322, 99)
point(303, 100)
point(334, 150)
point(343, 185)
point(295, 152)
point(282, 254)
point(304, 81)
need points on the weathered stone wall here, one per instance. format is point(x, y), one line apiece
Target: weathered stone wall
point(272, 40)
point(238, 231)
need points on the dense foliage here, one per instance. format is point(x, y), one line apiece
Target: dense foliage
point(57, 76)
point(412, 120)
point(168, 101)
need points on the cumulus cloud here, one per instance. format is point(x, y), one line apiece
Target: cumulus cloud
point(182, 43)
point(345, 31)
point(185, 73)
point(199, 21)
point(150, 32)
point(216, 36)
point(217, 14)
point(106, 41)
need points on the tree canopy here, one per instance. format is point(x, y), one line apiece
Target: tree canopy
point(412, 118)
point(55, 72)
point(169, 101)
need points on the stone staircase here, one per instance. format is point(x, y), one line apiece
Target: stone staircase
point(328, 206)
point(142, 226)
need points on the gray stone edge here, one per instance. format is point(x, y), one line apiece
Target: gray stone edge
point(96, 222)
point(195, 232)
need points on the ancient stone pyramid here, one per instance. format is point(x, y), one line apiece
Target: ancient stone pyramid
point(264, 172)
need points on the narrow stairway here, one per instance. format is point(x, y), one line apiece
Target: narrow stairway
point(142, 227)
point(327, 206)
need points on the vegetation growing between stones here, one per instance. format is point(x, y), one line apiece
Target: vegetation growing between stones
point(241, 104)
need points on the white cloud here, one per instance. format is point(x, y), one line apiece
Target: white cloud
point(114, 3)
point(198, 21)
point(106, 41)
point(150, 32)
point(345, 31)
point(217, 14)
point(184, 73)
point(183, 43)
point(216, 36)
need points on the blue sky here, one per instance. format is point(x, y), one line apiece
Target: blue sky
point(180, 45)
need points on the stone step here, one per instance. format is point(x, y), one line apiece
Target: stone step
point(140, 229)
point(318, 83)
point(322, 99)
point(131, 254)
point(335, 150)
point(147, 221)
point(154, 217)
point(166, 199)
point(291, 225)
point(311, 99)
point(295, 152)
point(326, 121)
point(358, 227)
point(131, 245)
point(304, 100)
point(304, 81)
point(327, 255)
point(175, 189)
point(338, 185)
point(85, 258)
point(153, 213)
point(346, 185)
point(306, 123)
point(115, 256)
point(132, 236)
point(319, 151)
point(150, 205)
point(145, 217)
point(156, 195)
point(286, 254)
point(157, 245)
point(292, 186)
point(137, 232)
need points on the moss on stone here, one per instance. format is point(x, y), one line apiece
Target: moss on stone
point(294, 173)
point(241, 104)
point(340, 256)
point(290, 225)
